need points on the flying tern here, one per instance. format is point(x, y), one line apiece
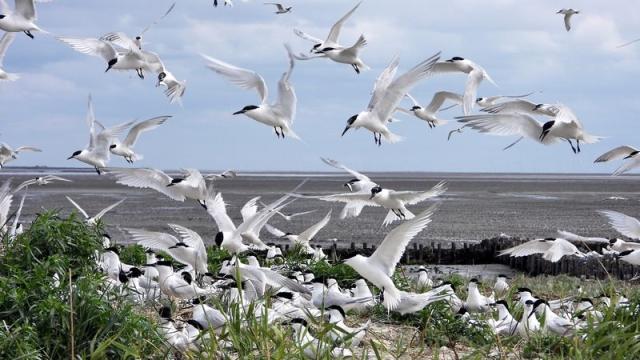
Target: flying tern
point(21, 19)
point(626, 152)
point(279, 115)
point(7, 153)
point(334, 33)
point(92, 220)
point(125, 148)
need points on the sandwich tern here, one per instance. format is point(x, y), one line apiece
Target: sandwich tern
point(626, 152)
point(93, 220)
point(281, 9)
point(125, 148)
point(7, 153)
point(279, 115)
point(334, 33)
point(21, 19)
point(567, 14)
point(387, 94)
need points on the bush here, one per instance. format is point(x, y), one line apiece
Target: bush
point(73, 315)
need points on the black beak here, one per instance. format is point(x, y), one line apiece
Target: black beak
point(239, 112)
point(171, 184)
point(345, 130)
point(371, 197)
point(70, 157)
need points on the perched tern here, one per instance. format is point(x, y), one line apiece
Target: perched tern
point(279, 115)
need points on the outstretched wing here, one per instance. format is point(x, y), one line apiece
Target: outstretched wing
point(245, 79)
point(390, 250)
point(311, 232)
point(147, 179)
point(415, 197)
point(624, 224)
point(141, 127)
point(81, 210)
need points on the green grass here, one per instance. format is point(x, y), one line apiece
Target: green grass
point(40, 319)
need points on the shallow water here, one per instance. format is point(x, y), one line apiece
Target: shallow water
point(477, 206)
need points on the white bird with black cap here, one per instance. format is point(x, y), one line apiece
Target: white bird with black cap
point(387, 95)
point(279, 115)
point(380, 266)
point(21, 19)
point(125, 148)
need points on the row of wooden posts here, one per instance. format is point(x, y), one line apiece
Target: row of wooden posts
point(487, 252)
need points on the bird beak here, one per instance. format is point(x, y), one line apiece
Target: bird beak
point(371, 197)
point(171, 184)
point(345, 130)
point(70, 157)
point(239, 112)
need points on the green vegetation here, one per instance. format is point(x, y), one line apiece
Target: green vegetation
point(54, 303)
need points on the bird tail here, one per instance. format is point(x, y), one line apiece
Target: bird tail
point(591, 139)
point(630, 164)
point(391, 217)
point(391, 137)
point(440, 122)
point(290, 133)
point(12, 77)
point(137, 157)
point(391, 298)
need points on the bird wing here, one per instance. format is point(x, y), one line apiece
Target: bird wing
point(250, 208)
point(415, 197)
point(506, 125)
point(274, 230)
point(383, 81)
point(218, 211)
point(630, 164)
point(390, 250)
point(575, 237)
point(286, 102)
point(401, 86)
point(18, 213)
point(107, 209)
point(91, 121)
point(154, 63)
point(143, 126)
point(26, 8)
point(440, 97)
point(471, 90)
point(537, 246)
point(558, 249)
point(105, 138)
point(274, 279)
point(122, 40)
point(53, 177)
point(81, 210)
point(513, 106)
point(90, 46)
point(245, 79)
point(28, 148)
point(6, 198)
point(306, 36)
point(152, 239)
point(193, 240)
point(158, 19)
point(617, 153)
point(567, 21)
point(337, 165)
point(193, 177)
point(334, 33)
point(624, 224)
point(350, 198)
point(311, 232)
point(6, 40)
point(147, 179)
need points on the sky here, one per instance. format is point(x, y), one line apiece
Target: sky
point(522, 45)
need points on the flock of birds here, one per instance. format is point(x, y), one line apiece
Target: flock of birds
point(296, 295)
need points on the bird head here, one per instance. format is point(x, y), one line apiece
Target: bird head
point(350, 122)
point(416, 107)
point(245, 109)
point(455, 58)
point(76, 153)
point(375, 190)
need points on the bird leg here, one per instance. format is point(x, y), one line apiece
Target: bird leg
point(275, 128)
point(572, 147)
point(281, 131)
point(140, 74)
point(28, 33)
point(97, 170)
point(355, 67)
point(578, 143)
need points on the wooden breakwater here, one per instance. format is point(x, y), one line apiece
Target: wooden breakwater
point(486, 252)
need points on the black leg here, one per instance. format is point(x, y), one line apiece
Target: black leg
point(572, 147)
point(28, 33)
point(578, 143)
point(282, 132)
point(98, 170)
